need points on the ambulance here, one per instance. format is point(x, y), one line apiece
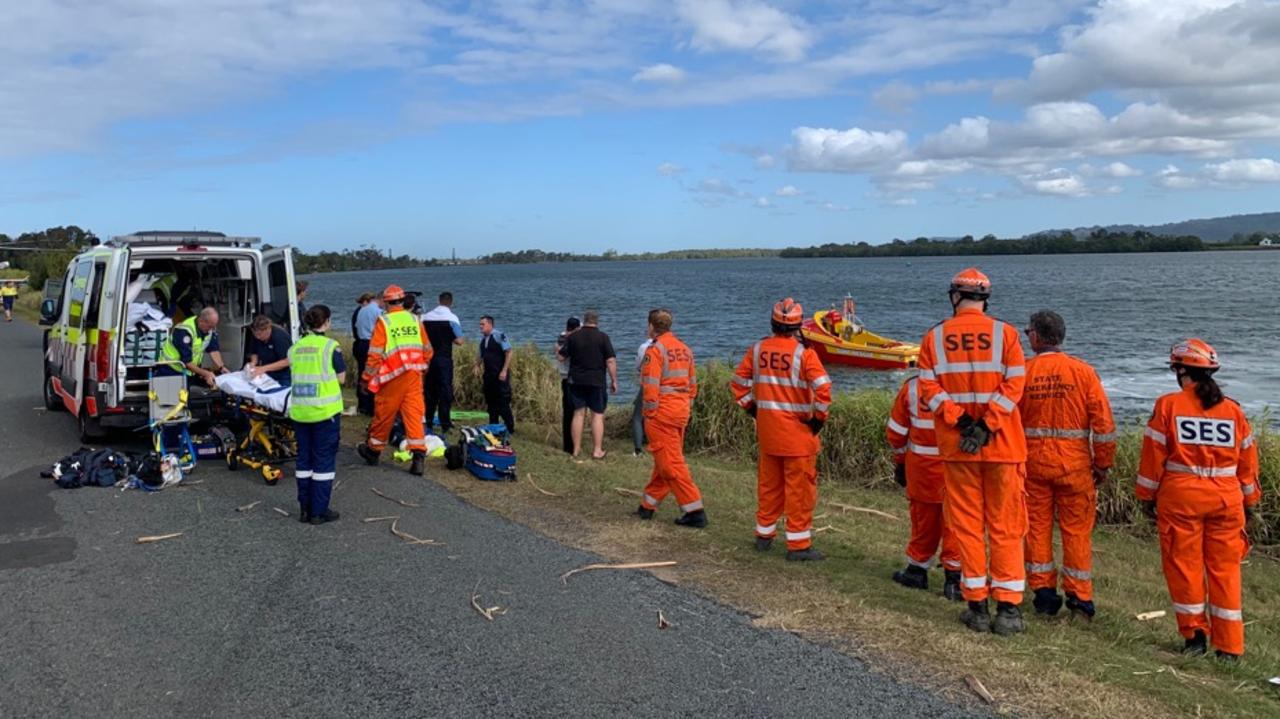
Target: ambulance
point(109, 315)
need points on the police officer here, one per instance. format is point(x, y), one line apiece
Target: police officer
point(494, 364)
point(315, 406)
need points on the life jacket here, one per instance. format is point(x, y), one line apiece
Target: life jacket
point(668, 380)
point(404, 350)
point(169, 351)
point(973, 364)
point(1187, 448)
point(788, 386)
point(910, 432)
point(317, 393)
point(1066, 417)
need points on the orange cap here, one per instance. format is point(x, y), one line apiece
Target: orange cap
point(971, 280)
point(393, 293)
point(1194, 353)
point(788, 312)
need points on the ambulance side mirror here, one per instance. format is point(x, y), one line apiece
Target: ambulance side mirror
point(48, 312)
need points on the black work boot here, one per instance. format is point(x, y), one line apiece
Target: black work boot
point(1197, 645)
point(418, 465)
point(1227, 656)
point(644, 512)
point(951, 586)
point(912, 577)
point(977, 617)
point(697, 519)
point(329, 515)
point(1008, 620)
point(369, 456)
point(303, 515)
point(805, 555)
point(1079, 608)
point(1047, 601)
point(764, 544)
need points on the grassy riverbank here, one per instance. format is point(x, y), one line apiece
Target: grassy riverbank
point(1113, 667)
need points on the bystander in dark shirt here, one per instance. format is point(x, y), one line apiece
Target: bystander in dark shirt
point(274, 349)
point(589, 351)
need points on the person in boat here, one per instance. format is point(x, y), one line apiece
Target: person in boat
point(853, 324)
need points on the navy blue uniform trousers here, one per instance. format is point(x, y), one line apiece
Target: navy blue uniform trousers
point(317, 463)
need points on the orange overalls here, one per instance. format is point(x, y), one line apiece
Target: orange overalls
point(669, 382)
point(973, 364)
point(398, 355)
point(911, 434)
point(788, 386)
point(1201, 468)
point(1063, 407)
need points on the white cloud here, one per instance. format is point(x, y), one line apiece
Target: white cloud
point(897, 96)
point(762, 203)
point(670, 169)
point(1242, 171)
point(854, 150)
point(746, 25)
point(788, 191)
point(1120, 170)
point(1173, 178)
point(1057, 182)
point(660, 73)
point(766, 161)
point(833, 207)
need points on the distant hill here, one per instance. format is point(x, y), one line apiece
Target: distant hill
point(1212, 229)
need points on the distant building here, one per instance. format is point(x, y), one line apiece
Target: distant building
point(1266, 242)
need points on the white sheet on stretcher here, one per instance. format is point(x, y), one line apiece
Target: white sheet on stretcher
point(261, 390)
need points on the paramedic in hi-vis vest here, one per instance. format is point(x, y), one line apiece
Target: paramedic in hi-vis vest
point(187, 344)
point(971, 377)
point(669, 383)
point(1199, 478)
point(918, 468)
point(1071, 443)
point(315, 406)
point(783, 385)
point(398, 355)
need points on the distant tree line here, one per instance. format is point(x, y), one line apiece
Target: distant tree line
point(44, 254)
point(368, 258)
point(525, 257)
point(1100, 240)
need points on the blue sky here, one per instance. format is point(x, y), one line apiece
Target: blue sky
point(586, 125)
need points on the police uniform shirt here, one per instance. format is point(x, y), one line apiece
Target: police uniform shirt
point(493, 350)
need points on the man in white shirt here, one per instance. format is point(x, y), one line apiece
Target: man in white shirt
point(637, 408)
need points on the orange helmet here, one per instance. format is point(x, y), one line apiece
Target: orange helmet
point(1194, 353)
point(393, 293)
point(788, 313)
point(971, 282)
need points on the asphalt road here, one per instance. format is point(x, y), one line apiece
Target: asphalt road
point(253, 614)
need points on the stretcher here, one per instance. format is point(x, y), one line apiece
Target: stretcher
point(265, 438)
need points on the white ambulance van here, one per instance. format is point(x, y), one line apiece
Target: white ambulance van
point(107, 317)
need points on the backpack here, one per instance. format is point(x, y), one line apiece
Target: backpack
point(487, 452)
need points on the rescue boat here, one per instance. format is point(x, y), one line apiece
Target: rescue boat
point(846, 346)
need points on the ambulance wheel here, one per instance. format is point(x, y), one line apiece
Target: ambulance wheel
point(270, 474)
point(233, 462)
point(52, 401)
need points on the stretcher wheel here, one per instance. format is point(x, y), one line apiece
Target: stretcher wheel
point(233, 461)
point(270, 474)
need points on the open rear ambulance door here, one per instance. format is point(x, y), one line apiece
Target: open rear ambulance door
point(279, 290)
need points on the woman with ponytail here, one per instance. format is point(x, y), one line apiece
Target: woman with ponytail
point(1199, 480)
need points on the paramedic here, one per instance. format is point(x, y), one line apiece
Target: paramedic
point(315, 406)
point(398, 355)
point(494, 363)
point(268, 350)
point(187, 344)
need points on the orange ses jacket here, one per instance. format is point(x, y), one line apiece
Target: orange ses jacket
point(1063, 406)
point(911, 434)
point(1195, 449)
point(973, 363)
point(787, 384)
point(669, 380)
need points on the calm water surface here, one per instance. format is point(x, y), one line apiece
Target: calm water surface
point(1122, 311)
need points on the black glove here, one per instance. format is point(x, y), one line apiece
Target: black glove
point(1149, 509)
point(974, 437)
point(815, 424)
point(900, 474)
point(965, 422)
point(752, 411)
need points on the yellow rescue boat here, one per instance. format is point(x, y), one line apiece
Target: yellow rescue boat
point(849, 344)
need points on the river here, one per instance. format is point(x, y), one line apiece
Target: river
point(1122, 311)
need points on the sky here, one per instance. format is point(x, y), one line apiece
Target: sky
point(634, 125)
